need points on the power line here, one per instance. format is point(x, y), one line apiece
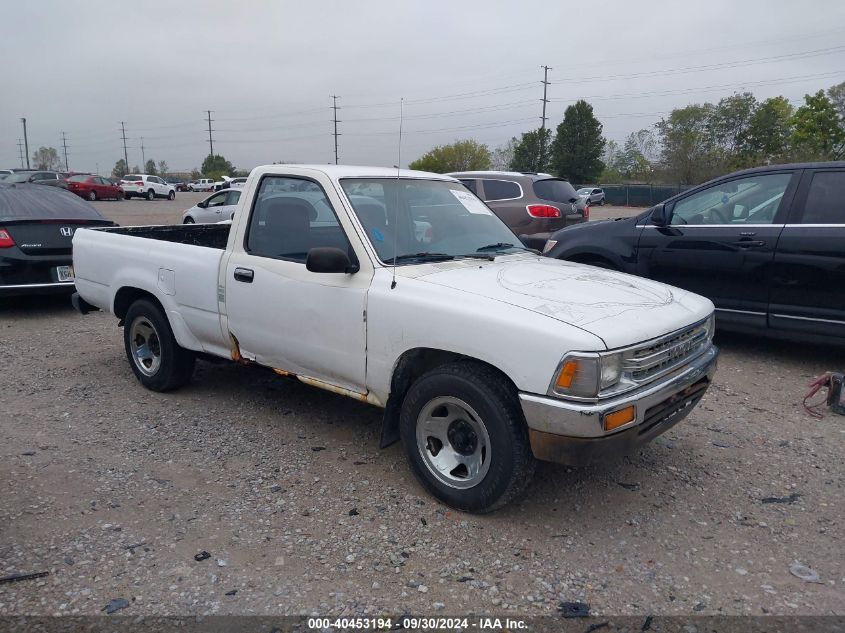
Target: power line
point(335, 107)
point(64, 145)
point(210, 141)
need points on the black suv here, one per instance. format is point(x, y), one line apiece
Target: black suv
point(766, 245)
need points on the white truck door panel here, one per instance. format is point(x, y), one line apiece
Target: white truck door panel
point(298, 321)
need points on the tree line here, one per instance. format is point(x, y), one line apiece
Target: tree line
point(690, 145)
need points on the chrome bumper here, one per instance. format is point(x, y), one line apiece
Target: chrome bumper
point(585, 420)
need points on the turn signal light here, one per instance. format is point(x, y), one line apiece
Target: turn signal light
point(620, 418)
point(543, 211)
point(567, 374)
point(6, 240)
point(587, 212)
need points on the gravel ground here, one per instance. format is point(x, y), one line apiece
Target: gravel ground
point(115, 490)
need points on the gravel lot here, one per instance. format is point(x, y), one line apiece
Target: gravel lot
point(113, 490)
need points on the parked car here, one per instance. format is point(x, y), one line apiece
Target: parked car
point(179, 185)
point(203, 184)
point(5, 172)
point(220, 206)
point(532, 205)
point(36, 228)
point(485, 355)
point(238, 183)
point(592, 195)
point(93, 187)
point(52, 178)
point(766, 245)
point(146, 186)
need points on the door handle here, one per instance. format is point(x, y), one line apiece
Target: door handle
point(749, 243)
point(244, 274)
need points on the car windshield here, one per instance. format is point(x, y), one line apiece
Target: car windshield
point(79, 178)
point(584, 191)
point(556, 190)
point(412, 220)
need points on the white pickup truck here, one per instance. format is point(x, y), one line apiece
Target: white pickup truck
point(402, 289)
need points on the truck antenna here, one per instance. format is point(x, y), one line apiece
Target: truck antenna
point(395, 226)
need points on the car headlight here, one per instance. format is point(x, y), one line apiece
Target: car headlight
point(585, 375)
point(710, 326)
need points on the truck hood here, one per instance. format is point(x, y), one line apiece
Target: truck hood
point(620, 309)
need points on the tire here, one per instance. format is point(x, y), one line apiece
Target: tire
point(151, 195)
point(92, 195)
point(171, 195)
point(189, 220)
point(152, 351)
point(487, 430)
point(601, 202)
point(120, 195)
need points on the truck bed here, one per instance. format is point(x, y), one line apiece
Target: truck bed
point(208, 235)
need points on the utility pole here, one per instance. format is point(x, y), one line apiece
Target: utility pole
point(64, 144)
point(125, 154)
point(20, 151)
point(210, 141)
point(25, 141)
point(143, 156)
point(335, 121)
point(542, 155)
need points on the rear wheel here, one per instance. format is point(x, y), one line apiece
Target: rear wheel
point(601, 202)
point(171, 195)
point(92, 195)
point(119, 195)
point(466, 438)
point(153, 353)
point(188, 220)
point(151, 195)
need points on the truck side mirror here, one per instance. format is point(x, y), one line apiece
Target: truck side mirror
point(660, 215)
point(327, 259)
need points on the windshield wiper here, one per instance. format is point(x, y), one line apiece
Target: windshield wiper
point(500, 246)
point(431, 257)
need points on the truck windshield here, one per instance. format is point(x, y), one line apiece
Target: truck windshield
point(415, 220)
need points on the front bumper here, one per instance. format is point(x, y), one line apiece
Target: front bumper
point(573, 432)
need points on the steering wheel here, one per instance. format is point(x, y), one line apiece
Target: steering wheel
point(718, 214)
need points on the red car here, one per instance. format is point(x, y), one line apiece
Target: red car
point(93, 187)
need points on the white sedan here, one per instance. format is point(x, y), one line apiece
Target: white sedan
point(220, 206)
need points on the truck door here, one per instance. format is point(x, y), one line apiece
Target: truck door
point(720, 243)
point(282, 315)
point(808, 280)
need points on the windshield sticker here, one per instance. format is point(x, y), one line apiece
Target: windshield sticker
point(471, 203)
point(377, 235)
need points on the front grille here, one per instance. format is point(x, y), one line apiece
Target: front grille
point(652, 360)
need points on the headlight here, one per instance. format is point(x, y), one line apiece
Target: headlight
point(584, 375)
point(710, 326)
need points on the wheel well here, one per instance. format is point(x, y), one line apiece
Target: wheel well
point(127, 295)
point(411, 365)
point(589, 258)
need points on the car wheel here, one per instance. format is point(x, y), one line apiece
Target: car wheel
point(171, 195)
point(120, 195)
point(465, 436)
point(151, 195)
point(601, 202)
point(153, 353)
point(92, 195)
point(188, 220)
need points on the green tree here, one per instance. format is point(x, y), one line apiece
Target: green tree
point(528, 149)
point(634, 160)
point(163, 168)
point(150, 167)
point(196, 174)
point(730, 121)
point(46, 158)
point(120, 169)
point(836, 94)
point(578, 145)
point(501, 157)
point(769, 132)
point(216, 167)
point(817, 134)
point(689, 152)
point(466, 155)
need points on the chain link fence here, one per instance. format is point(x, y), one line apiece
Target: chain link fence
point(639, 195)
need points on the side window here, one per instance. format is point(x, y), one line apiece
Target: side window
point(826, 199)
point(290, 217)
point(750, 200)
point(232, 197)
point(217, 201)
point(500, 190)
point(470, 184)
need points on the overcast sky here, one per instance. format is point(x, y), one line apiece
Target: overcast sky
point(465, 69)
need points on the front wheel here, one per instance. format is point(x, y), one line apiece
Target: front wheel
point(466, 438)
point(151, 195)
point(157, 360)
point(171, 195)
point(188, 220)
point(92, 195)
point(601, 202)
point(119, 196)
